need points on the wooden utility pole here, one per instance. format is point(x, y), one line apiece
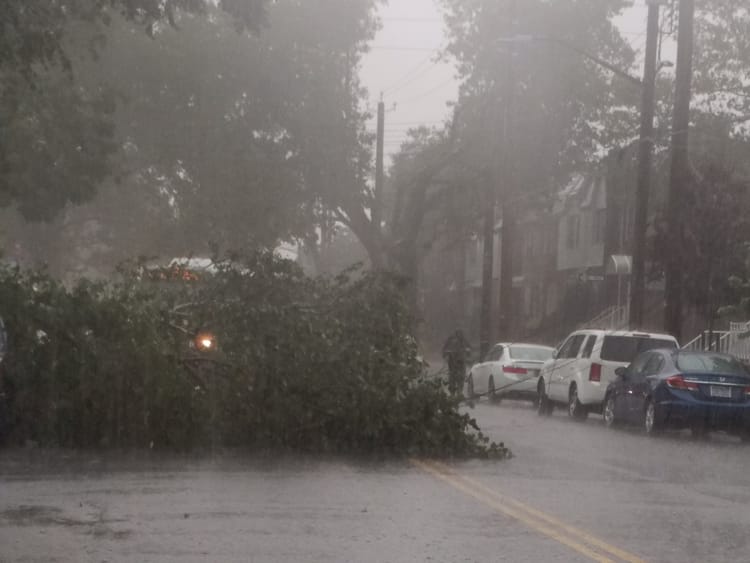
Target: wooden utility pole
point(507, 234)
point(645, 154)
point(488, 251)
point(493, 180)
point(679, 177)
point(379, 173)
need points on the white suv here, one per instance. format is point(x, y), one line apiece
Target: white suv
point(584, 365)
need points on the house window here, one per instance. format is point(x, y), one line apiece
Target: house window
point(574, 228)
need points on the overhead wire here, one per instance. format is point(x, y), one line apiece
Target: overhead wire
point(428, 92)
point(414, 77)
point(403, 48)
point(413, 20)
point(408, 75)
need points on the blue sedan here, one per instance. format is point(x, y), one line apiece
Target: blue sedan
point(675, 389)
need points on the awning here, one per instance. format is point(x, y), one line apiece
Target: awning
point(619, 265)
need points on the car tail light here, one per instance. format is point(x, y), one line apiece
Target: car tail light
point(678, 382)
point(595, 372)
point(747, 390)
point(514, 370)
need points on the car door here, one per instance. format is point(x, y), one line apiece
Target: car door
point(633, 386)
point(495, 365)
point(481, 372)
point(641, 385)
point(552, 374)
point(564, 367)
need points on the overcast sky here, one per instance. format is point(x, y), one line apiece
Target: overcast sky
point(416, 86)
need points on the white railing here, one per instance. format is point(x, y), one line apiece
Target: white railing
point(716, 340)
point(612, 318)
point(739, 340)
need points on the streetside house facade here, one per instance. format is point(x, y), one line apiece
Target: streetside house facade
point(581, 216)
point(571, 257)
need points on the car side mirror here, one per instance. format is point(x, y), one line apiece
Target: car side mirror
point(554, 354)
point(621, 372)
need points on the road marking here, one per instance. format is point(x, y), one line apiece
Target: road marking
point(539, 521)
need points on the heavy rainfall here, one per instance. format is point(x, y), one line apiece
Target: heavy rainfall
point(374, 280)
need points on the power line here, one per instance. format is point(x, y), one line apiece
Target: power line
point(415, 77)
point(407, 75)
point(413, 20)
point(403, 48)
point(425, 94)
point(423, 122)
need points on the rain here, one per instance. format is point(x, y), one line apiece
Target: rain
point(374, 280)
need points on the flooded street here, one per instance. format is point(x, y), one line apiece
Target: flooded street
point(574, 492)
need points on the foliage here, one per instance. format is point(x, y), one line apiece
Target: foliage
point(716, 229)
point(36, 30)
point(565, 109)
point(722, 61)
point(319, 365)
point(221, 137)
point(58, 140)
point(57, 143)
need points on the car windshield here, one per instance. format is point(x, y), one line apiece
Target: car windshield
point(533, 353)
point(626, 348)
point(709, 363)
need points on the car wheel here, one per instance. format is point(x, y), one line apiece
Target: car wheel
point(543, 404)
point(651, 425)
point(575, 409)
point(608, 412)
point(493, 396)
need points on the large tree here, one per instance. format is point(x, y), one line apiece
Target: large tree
point(229, 138)
point(56, 137)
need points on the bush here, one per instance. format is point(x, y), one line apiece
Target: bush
point(313, 365)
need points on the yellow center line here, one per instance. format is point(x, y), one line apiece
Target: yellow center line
point(549, 525)
point(581, 534)
point(517, 515)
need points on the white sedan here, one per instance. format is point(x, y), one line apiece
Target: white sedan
point(510, 370)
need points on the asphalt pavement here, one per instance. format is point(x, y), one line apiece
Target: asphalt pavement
point(573, 492)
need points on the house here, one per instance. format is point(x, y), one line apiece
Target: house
point(571, 256)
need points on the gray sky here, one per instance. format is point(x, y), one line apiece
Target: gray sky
point(416, 86)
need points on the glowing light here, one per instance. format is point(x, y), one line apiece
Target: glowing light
point(205, 342)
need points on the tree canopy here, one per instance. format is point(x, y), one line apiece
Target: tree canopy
point(218, 136)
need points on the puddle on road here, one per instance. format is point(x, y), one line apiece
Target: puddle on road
point(93, 522)
point(26, 515)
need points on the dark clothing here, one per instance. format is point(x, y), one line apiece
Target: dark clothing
point(456, 352)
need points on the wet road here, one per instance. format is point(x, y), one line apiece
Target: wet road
point(574, 492)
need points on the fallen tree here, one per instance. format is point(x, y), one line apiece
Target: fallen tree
point(290, 362)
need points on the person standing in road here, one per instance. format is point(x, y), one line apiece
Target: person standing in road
point(456, 352)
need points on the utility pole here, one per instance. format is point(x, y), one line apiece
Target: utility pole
point(378, 195)
point(679, 176)
point(645, 154)
point(486, 314)
point(507, 238)
point(488, 251)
